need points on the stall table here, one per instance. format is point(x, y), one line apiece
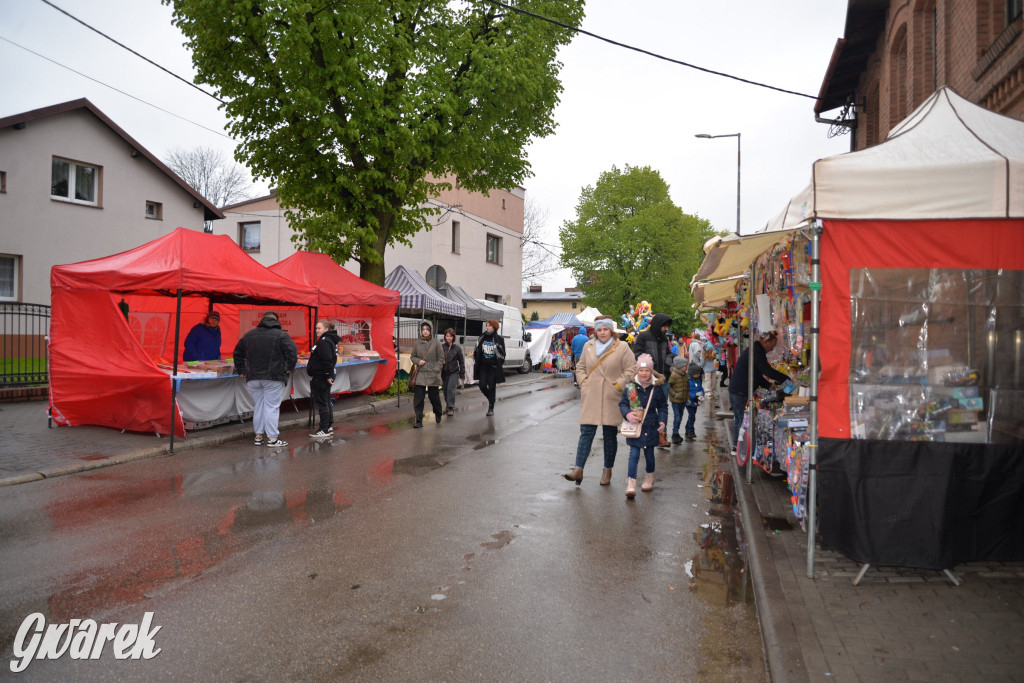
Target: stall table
point(208, 401)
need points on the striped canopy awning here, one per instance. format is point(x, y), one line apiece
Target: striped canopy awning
point(418, 296)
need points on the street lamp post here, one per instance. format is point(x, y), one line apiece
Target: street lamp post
point(737, 136)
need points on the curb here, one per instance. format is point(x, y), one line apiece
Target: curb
point(778, 636)
point(216, 439)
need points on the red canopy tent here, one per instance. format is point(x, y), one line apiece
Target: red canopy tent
point(342, 295)
point(100, 373)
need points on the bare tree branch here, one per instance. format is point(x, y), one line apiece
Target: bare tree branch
point(211, 174)
point(538, 258)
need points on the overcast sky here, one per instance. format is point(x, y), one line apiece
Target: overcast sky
point(618, 107)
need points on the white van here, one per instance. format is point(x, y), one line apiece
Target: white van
point(517, 357)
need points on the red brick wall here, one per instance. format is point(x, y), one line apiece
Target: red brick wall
point(965, 44)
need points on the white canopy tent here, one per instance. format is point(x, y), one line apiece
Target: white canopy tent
point(950, 160)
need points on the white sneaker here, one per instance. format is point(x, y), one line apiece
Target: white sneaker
point(320, 434)
point(276, 443)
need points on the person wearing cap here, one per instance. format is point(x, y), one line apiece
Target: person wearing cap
point(602, 371)
point(203, 340)
point(643, 401)
point(265, 356)
point(764, 376)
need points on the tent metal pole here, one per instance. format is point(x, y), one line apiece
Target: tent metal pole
point(310, 420)
point(174, 375)
point(752, 436)
point(812, 476)
point(398, 347)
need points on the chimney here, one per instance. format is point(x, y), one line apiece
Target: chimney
point(536, 288)
point(572, 289)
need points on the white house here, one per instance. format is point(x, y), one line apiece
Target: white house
point(75, 186)
point(477, 240)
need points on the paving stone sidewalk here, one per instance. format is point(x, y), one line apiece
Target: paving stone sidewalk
point(898, 624)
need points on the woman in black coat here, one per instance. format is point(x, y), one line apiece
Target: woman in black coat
point(453, 370)
point(322, 360)
point(488, 359)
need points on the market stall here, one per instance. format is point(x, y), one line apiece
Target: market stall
point(918, 412)
point(363, 314)
point(417, 299)
point(113, 317)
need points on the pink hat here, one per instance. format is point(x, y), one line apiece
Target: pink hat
point(644, 360)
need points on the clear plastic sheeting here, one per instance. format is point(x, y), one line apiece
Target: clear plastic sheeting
point(937, 355)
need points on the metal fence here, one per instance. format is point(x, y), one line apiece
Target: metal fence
point(24, 330)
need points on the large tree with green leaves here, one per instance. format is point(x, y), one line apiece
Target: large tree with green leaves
point(630, 243)
point(351, 108)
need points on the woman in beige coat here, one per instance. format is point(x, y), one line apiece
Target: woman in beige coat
point(602, 370)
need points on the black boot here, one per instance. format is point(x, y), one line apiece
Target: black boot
point(490, 409)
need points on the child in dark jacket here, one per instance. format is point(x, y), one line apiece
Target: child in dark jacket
point(696, 395)
point(634, 400)
point(678, 395)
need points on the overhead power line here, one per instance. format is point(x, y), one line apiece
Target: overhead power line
point(105, 85)
point(122, 45)
point(576, 29)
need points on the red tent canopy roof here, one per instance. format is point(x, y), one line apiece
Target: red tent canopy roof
point(335, 284)
point(192, 261)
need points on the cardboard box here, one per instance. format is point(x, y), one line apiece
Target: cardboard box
point(972, 403)
point(961, 417)
point(965, 392)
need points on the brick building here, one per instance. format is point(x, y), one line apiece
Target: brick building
point(893, 55)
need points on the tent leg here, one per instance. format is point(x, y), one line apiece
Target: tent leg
point(860, 575)
point(750, 378)
point(174, 377)
point(812, 458)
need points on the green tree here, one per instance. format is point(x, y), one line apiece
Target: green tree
point(534, 316)
point(630, 243)
point(358, 112)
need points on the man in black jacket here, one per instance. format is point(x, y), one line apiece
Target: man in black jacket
point(764, 376)
point(265, 356)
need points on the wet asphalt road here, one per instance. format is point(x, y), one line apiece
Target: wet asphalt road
point(454, 552)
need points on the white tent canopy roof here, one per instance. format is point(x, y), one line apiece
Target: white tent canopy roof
point(588, 315)
point(950, 159)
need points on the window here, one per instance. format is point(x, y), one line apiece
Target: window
point(494, 298)
point(1014, 9)
point(494, 249)
point(74, 182)
point(8, 277)
point(575, 304)
point(3, 182)
point(155, 210)
point(249, 236)
point(455, 236)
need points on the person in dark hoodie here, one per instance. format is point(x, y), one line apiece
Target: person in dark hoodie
point(428, 356)
point(321, 368)
point(265, 356)
point(488, 359)
point(654, 341)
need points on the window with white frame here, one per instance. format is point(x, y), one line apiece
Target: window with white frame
point(74, 182)
point(249, 235)
point(493, 249)
point(155, 210)
point(8, 277)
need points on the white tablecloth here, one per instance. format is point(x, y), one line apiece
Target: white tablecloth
point(207, 401)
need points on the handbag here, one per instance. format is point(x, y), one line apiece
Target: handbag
point(412, 375)
point(632, 430)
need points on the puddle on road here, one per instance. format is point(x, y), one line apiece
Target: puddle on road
point(485, 444)
point(730, 642)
